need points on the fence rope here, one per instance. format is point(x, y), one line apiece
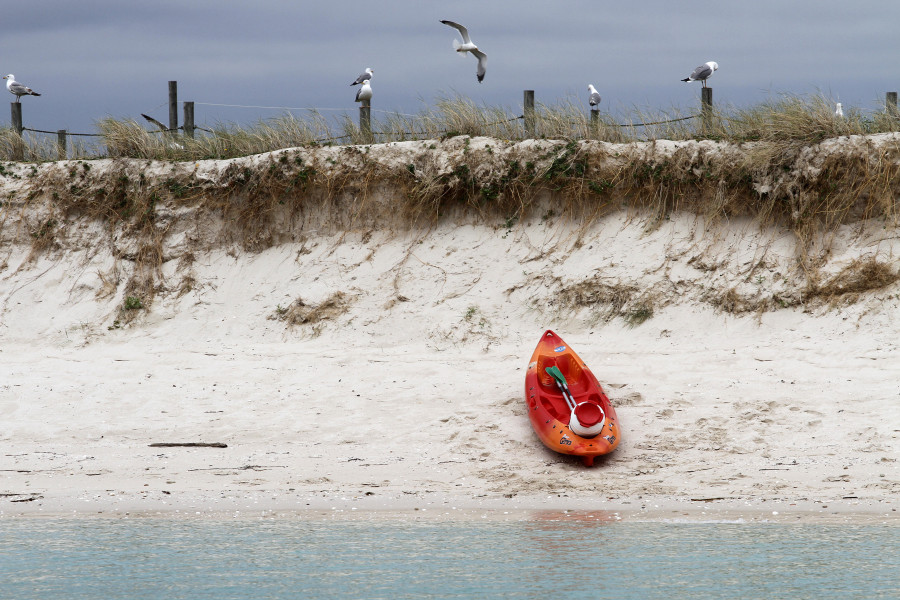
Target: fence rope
point(340, 137)
point(384, 133)
point(657, 122)
point(100, 134)
point(442, 132)
point(66, 133)
point(313, 109)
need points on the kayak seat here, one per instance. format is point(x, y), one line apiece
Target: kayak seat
point(544, 378)
point(570, 368)
point(573, 373)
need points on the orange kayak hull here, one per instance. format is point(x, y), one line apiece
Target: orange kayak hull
point(548, 410)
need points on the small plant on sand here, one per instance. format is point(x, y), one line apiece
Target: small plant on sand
point(637, 315)
point(474, 317)
point(133, 303)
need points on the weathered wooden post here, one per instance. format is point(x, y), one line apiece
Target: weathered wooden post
point(173, 105)
point(61, 150)
point(890, 103)
point(595, 119)
point(16, 121)
point(189, 119)
point(529, 113)
point(706, 109)
point(365, 121)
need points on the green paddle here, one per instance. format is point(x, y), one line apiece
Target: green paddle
point(563, 386)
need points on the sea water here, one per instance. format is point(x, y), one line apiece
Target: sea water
point(539, 557)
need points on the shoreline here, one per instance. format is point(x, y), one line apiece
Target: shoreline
point(404, 504)
point(638, 511)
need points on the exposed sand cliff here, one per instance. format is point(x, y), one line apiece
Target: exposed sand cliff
point(355, 323)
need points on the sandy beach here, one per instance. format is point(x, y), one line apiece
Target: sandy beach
point(383, 370)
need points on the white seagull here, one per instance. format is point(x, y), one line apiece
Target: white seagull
point(364, 92)
point(17, 88)
point(702, 72)
point(365, 76)
point(594, 100)
point(469, 46)
point(839, 110)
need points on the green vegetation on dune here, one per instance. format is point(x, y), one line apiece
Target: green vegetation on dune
point(783, 164)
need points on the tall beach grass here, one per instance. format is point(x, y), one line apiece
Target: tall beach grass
point(790, 120)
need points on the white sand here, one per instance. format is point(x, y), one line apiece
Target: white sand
point(412, 398)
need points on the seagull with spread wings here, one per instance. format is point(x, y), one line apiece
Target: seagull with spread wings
point(468, 45)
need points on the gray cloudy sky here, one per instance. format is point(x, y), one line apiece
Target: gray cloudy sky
point(96, 58)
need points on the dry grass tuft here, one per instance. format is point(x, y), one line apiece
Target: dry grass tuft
point(301, 313)
point(605, 301)
point(860, 276)
point(733, 302)
point(37, 147)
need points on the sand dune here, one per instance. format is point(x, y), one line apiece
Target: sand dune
point(382, 368)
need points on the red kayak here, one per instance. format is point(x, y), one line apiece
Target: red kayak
point(566, 405)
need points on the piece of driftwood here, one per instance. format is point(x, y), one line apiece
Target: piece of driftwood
point(244, 468)
point(188, 445)
point(30, 498)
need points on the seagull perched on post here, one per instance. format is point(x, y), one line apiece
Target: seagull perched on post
point(469, 46)
point(365, 76)
point(702, 72)
point(594, 99)
point(17, 88)
point(364, 92)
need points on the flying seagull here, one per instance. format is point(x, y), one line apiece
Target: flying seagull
point(364, 92)
point(702, 72)
point(595, 96)
point(155, 122)
point(468, 46)
point(171, 144)
point(17, 88)
point(365, 76)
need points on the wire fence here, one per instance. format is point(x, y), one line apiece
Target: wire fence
point(321, 109)
point(531, 118)
point(184, 129)
point(491, 124)
point(61, 131)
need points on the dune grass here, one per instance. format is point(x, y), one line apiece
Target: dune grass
point(786, 122)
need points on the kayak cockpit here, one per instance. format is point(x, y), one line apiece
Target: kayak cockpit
point(565, 394)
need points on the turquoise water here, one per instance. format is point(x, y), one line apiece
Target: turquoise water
point(540, 558)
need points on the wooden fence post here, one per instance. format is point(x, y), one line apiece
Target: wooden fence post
point(595, 119)
point(706, 108)
point(529, 113)
point(189, 119)
point(16, 121)
point(173, 105)
point(365, 121)
point(890, 103)
point(61, 151)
